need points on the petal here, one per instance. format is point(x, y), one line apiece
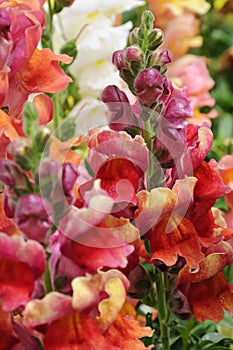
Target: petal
point(208, 298)
point(101, 295)
point(92, 258)
point(76, 332)
point(7, 335)
point(181, 240)
point(44, 106)
point(7, 132)
point(52, 307)
point(6, 225)
point(108, 143)
point(42, 73)
point(209, 185)
point(125, 333)
point(211, 265)
point(29, 252)
point(154, 206)
point(16, 283)
point(62, 152)
point(199, 142)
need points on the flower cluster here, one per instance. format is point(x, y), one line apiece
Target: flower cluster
point(121, 212)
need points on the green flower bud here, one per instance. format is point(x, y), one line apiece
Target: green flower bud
point(70, 49)
point(59, 4)
point(133, 37)
point(148, 19)
point(155, 38)
point(21, 151)
point(41, 138)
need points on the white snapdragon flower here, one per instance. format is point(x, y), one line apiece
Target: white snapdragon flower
point(93, 24)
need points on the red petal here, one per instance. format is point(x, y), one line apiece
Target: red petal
point(209, 185)
point(16, 283)
point(209, 297)
point(75, 332)
point(182, 240)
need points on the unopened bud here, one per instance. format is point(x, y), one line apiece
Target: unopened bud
point(47, 175)
point(155, 38)
point(41, 138)
point(118, 59)
point(133, 53)
point(13, 178)
point(165, 57)
point(59, 4)
point(148, 19)
point(20, 150)
point(159, 59)
point(133, 37)
point(70, 49)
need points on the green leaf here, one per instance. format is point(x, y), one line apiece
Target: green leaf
point(214, 337)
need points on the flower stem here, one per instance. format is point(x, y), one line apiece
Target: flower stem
point(50, 24)
point(47, 279)
point(163, 312)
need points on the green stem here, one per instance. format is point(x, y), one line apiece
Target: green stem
point(163, 312)
point(50, 24)
point(47, 278)
point(56, 115)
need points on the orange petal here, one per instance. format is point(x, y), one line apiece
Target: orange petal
point(125, 333)
point(62, 152)
point(7, 132)
point(44, 106)
point(75, 332)
point(42, 73)
point(182, 240)
point(211, 265)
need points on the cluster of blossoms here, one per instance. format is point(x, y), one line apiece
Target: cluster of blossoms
point(120, 213)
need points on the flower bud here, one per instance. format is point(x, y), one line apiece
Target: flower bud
point(149, 86)
point(133, 37)
point(165, 57)
point(20, 150)
point(70, 49)
point(148, 19)
point(155, 38)
point(12, 177)
point(118, 59)
point(33, 216)
point(47, 175)
point(60, 4)
point(159, 58)
point(41, 138)
point(133, 53)
point(120, 113)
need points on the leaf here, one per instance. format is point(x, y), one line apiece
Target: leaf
point(214, 337)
